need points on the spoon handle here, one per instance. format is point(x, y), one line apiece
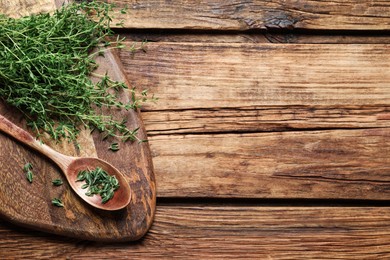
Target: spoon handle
point(26, 138)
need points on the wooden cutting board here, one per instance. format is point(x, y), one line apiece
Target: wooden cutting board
point(29, 204)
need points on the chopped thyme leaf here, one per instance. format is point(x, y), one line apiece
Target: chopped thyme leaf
point(27, 167)
point(57, 202)
point(57, 182)
point(29, 174)
point(98, 182)
point(114, 147)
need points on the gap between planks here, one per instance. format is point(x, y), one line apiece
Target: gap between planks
point(301, 37)
point(269, 203)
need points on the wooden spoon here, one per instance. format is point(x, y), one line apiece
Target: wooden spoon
point(71, 166)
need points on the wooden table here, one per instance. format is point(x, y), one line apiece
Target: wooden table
point(270, 139)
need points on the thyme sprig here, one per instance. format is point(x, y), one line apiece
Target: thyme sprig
point(46, 62)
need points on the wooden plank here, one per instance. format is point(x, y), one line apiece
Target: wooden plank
point(259, 14)
point(338, 164)
point(231, 75)
point(207, 232)
point(18, 8)
point(265, 119)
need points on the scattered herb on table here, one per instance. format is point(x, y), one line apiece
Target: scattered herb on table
point(28, 170)
point(114, 147)
point(98, 182)
point(57, 182)
point(46, 64)
point(27, 167)
point(57, 202)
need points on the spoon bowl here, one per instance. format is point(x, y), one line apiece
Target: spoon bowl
point(121, 196)
point(71, 166)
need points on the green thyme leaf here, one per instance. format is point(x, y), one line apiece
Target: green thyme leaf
point(81, 175)
point(57, 182)
point(29, 176)
point(27, 167)
point(114, 147)
point(57, 202)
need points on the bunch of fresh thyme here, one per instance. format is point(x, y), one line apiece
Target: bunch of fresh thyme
point(98, 181)
point(45, 66)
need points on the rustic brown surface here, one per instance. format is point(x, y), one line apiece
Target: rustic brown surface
point(30, 204)
point(250, 88)
point(265, 119)
point(215, 232)
point(337, 164)
point(258, 14)
point(18, 8)
point(219, 75)
point(252, 127)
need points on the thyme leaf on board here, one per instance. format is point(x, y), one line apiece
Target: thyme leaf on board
point(114, 147)
point(29, 176)
point(28, 171)
point(57, 182)
point(57, 202)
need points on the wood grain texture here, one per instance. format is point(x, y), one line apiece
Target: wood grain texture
point(256, 14)
point(265, 119)
point(338, 164)
point(207, 85)
point(30, 204)
point(215, 232)
point(18, 8)
point(230, 75)
point(227, 89)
